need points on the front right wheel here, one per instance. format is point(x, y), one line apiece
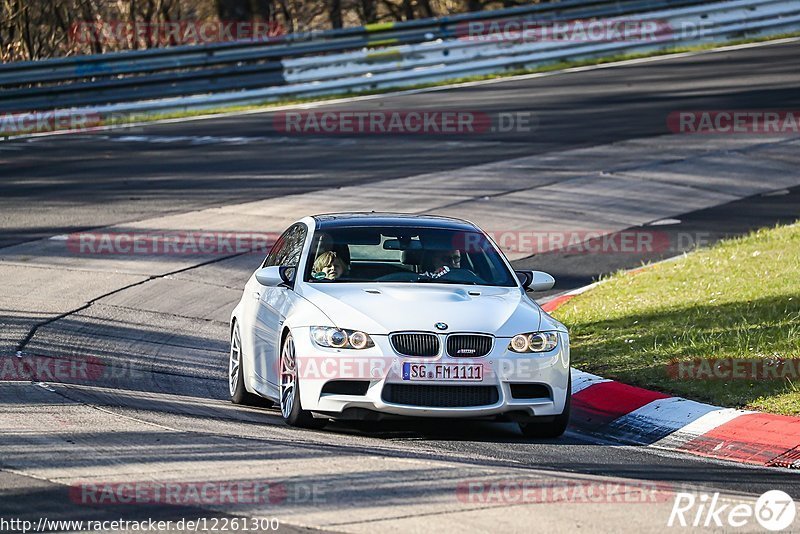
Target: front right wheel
point(236, 388)
point(291, 409)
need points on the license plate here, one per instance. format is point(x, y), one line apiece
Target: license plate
point(443, 371)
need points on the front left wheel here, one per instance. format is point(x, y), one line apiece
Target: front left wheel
point(236, 389)
point(554, 428)
point(291, 409)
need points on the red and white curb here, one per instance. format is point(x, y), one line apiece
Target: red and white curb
point(639, 416)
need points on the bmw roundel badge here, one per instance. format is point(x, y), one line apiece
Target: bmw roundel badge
point(441, 326)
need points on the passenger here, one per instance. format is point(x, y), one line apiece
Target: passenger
point(329, 266)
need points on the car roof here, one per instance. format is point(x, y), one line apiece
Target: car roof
point(334, 220)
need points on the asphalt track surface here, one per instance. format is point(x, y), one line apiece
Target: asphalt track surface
point(93, 180)
point(63, 184)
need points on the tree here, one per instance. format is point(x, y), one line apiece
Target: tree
point(36, 29)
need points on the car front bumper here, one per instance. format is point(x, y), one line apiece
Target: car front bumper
point(379, 368)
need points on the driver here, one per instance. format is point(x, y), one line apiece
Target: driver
point(439, 262)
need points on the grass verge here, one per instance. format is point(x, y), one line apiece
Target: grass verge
point(662, 327)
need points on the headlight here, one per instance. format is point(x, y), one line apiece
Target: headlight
point(534, 342)
point(359, 340)
point(339, 338)
point(519, 343)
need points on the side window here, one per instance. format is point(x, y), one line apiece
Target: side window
point(275, 251)
point(295, 239)
point(288, 247)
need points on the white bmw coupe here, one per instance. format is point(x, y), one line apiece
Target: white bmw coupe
point(366, 316)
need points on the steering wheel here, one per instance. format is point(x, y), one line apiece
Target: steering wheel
point(463, 275)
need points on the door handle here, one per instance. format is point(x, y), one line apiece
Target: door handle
point(256, 295)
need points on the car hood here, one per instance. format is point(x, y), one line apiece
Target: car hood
point(381, 309)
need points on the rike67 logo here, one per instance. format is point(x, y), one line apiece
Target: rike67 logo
point(774, 511)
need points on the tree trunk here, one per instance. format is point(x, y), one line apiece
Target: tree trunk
point(335, 13)
point(288, 18)
point(234, 10)
point(95, 39)
point(474, 5)
point(369, 11)
point(425, 9)
point(408, 10)
point(263, 9)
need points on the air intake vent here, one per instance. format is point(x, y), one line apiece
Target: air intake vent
point(409, 344)
point(440, 396)
point(469, 345)
point(530, 391)
point(346, 387)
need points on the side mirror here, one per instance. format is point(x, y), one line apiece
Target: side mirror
point(275, 276)
point(535, 280)
point(525, 278)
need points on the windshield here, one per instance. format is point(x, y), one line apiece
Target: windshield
point(401, 254)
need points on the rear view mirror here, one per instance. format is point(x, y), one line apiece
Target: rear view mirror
point(402, 244)
point(535, 280)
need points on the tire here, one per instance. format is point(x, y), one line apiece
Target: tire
point(238, 392)
point(551, 429)
point(291, 409)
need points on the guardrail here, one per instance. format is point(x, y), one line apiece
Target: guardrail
point(134, 62)
point(372, 57)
